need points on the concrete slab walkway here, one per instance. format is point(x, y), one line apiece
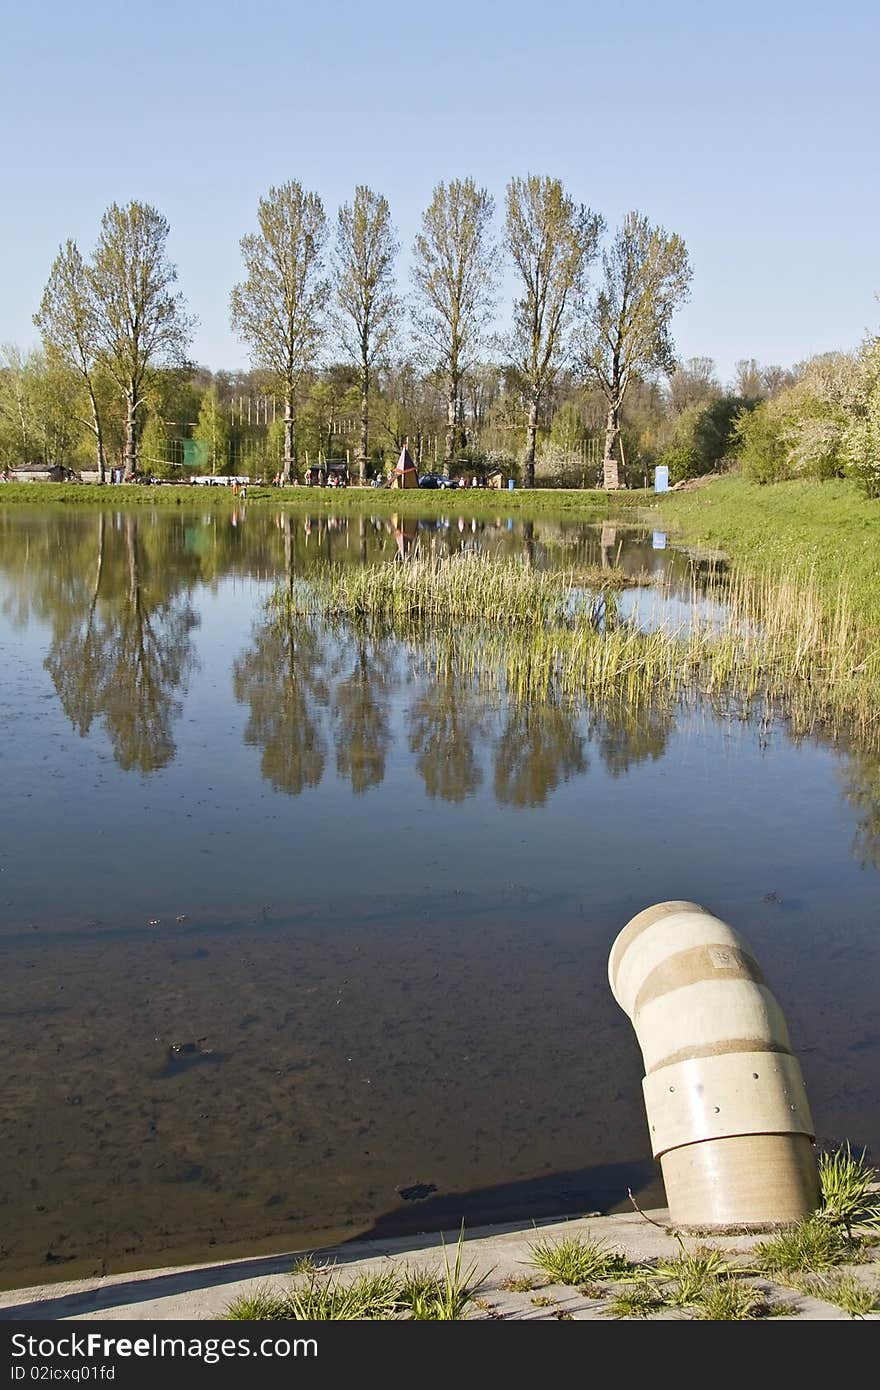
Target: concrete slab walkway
point(501, 1253)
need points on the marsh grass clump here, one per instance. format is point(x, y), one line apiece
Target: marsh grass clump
point(845, 1290)
point(849, 1190)
point(729, 1299)
point(263, 1305)
point(767, 646)
point(419, 1283)
point(318, 1294)
point(689, 1276)
point(456, 1288)
point(369, 1297)
point(640, 1301)
point(577, 1260)
point(437, 590)
point(307, 1264)
point(812, 1246)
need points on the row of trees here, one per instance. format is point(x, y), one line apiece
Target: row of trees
point(578, 366)
point(195, 421)
point(609, 336)
point(109, 319)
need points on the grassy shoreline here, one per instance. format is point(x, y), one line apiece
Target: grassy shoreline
point(826, 531)
point(830, 531)
point(589, 504)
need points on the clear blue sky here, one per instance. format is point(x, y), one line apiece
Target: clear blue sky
point(751, 129)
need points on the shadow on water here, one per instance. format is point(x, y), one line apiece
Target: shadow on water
point(553, 1196)
point(507, 1207)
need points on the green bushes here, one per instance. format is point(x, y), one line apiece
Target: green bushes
point(702, 437)
point(760, 445)
point(826, 425)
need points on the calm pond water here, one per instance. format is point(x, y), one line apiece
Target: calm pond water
point(302, 937)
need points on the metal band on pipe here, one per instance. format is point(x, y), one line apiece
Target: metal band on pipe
point(731, 1094)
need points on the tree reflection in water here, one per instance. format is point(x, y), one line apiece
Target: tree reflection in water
point(540, 746)
point(284, 680)
point(444, 723)
point(124, 651)
point(360, 707)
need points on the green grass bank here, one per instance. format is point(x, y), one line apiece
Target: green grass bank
point(793, 529)
point(589, 505)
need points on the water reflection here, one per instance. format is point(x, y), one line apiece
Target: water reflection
point(118, 590)
point(122, 646)
point(624, 736)
point(378, 1021)
point(307, 687)
point(445, 723)
point(539, 747)
point(361, 712)
point(283, 678)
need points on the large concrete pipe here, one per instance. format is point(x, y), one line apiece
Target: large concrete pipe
point(725, 1099)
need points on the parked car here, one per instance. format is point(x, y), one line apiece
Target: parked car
point(432, 480)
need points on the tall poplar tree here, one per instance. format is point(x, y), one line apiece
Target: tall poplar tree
point(140, 319)
point(646, 275)
point(69, 324)
point(454, 266)
point(368, 308)
point(279, 308)
point(551, 241)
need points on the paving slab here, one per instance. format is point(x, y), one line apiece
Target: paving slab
point(500, 1253)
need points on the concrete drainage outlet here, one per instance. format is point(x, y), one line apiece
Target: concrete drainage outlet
point(726, 1105)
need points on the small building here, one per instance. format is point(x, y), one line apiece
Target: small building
point(42, 473)
point(404, 474)
point(332, 473)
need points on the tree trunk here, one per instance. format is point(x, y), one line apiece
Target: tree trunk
point(365, 423)
point(610, 471)
point(451, 424)
point(130, 448)
point(99, 434)
point(531, 441)
point(287, 460)
point(99, 438)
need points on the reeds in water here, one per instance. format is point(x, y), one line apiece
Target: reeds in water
point(768, 645)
